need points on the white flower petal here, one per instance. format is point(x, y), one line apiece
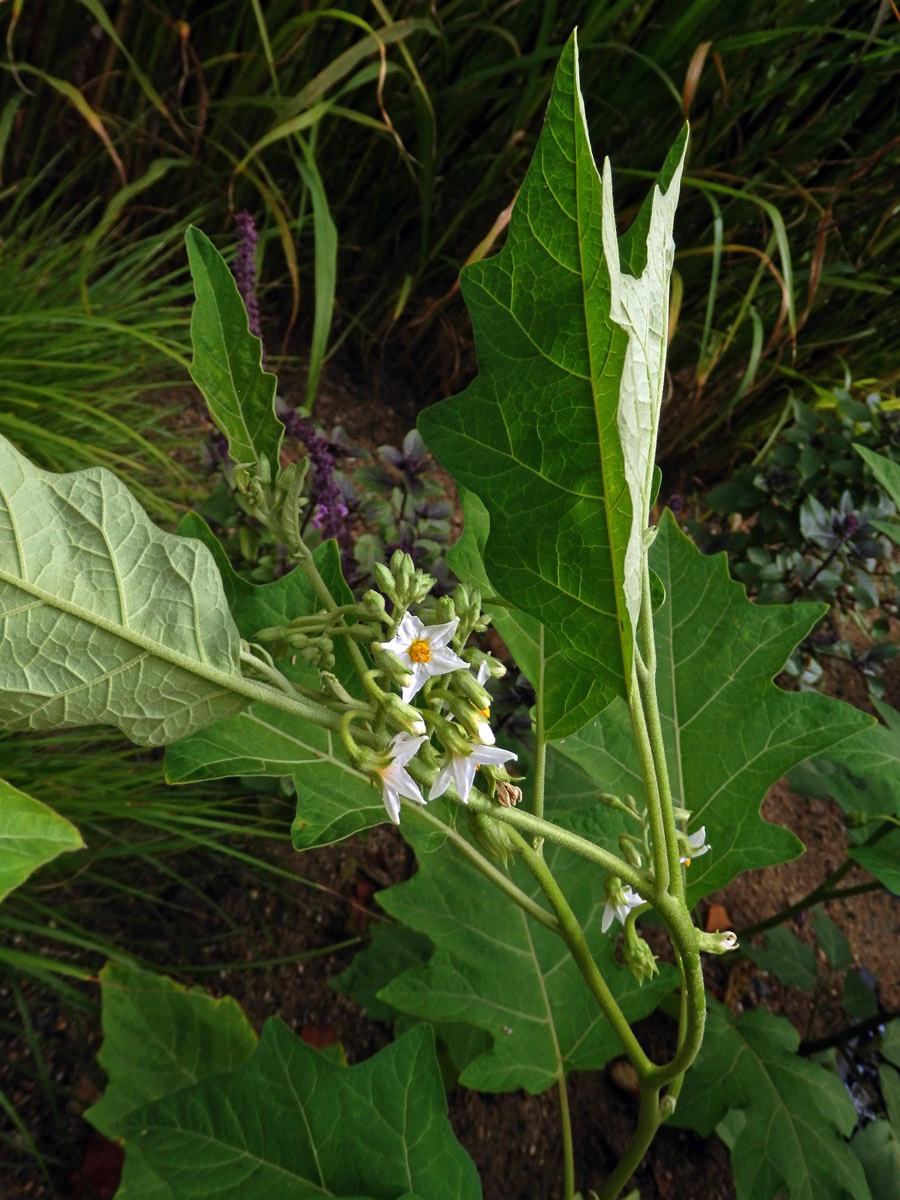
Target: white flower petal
point(442, 781)
point(485, 734)
point(392, 804)
point(492, 756)
point(438, 636)
point(607, 918)
point(464, 775)
point(443, 661)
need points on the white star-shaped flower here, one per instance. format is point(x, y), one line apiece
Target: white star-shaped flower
point(462, 767)
point(423, 648)
point(396, 781)
point(697, 842)
point(621, 910)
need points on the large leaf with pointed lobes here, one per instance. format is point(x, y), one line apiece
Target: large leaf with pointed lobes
point(797, 1115)
point(227, 362)
point(729, 731)
point(105, 618)
point(557, 433)
point(291, 1124)
point(205, 1110)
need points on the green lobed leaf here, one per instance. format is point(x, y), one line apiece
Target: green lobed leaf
point(798, 1113)
point(227, 362)
point(787, 957)
point(160, 1037)
point(729, 732)
point(108, 620)
point(549, 1022)
point(393, 949)
point(31, 834)
point(563, 469)
point(860, 773)
point(281, 1124)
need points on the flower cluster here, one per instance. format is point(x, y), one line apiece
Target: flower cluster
point(423, 652)
point(330, 512)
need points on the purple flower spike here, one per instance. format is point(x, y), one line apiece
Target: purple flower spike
point(244, 270)
point(331, 511)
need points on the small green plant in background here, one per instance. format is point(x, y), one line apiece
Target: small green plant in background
point(806, 519)
point(641, 652)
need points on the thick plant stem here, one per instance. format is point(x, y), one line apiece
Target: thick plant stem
point(646, 676)
point(649, 1120)
point(565, 1121)
point(573, 935)
point(307, 563)
point(527, 823)
point(651, 785)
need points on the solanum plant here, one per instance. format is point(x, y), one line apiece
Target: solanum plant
point(656, 727)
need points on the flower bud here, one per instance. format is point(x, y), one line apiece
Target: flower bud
point(639, 958)
point(394, 667)
point(373, 602)
point(716, 943)
point(466, 683)
point(384, 579)
point(493, 836)
point(444, 610)
point(403, 716)
point(630, 851)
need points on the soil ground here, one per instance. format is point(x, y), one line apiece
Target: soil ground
point(513, 1138)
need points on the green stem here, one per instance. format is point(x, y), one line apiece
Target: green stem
point(690, 1033)
point(651, 785)
point(649, 1120)
point(527, 823)
point(565, 1121)
point(573, 935)
point(646, 673)
point(306, 561)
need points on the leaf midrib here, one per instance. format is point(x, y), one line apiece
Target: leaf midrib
point(194, 666)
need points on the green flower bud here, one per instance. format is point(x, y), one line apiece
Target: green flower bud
point(444, 610)
point(394, 667)
point(466, 683)
point(639, 958)
point(716, 943)
point(630, 851)
point(373, 602)
point(385, 580)
point(403, 716)
point(419, 587)
point(493, 836)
